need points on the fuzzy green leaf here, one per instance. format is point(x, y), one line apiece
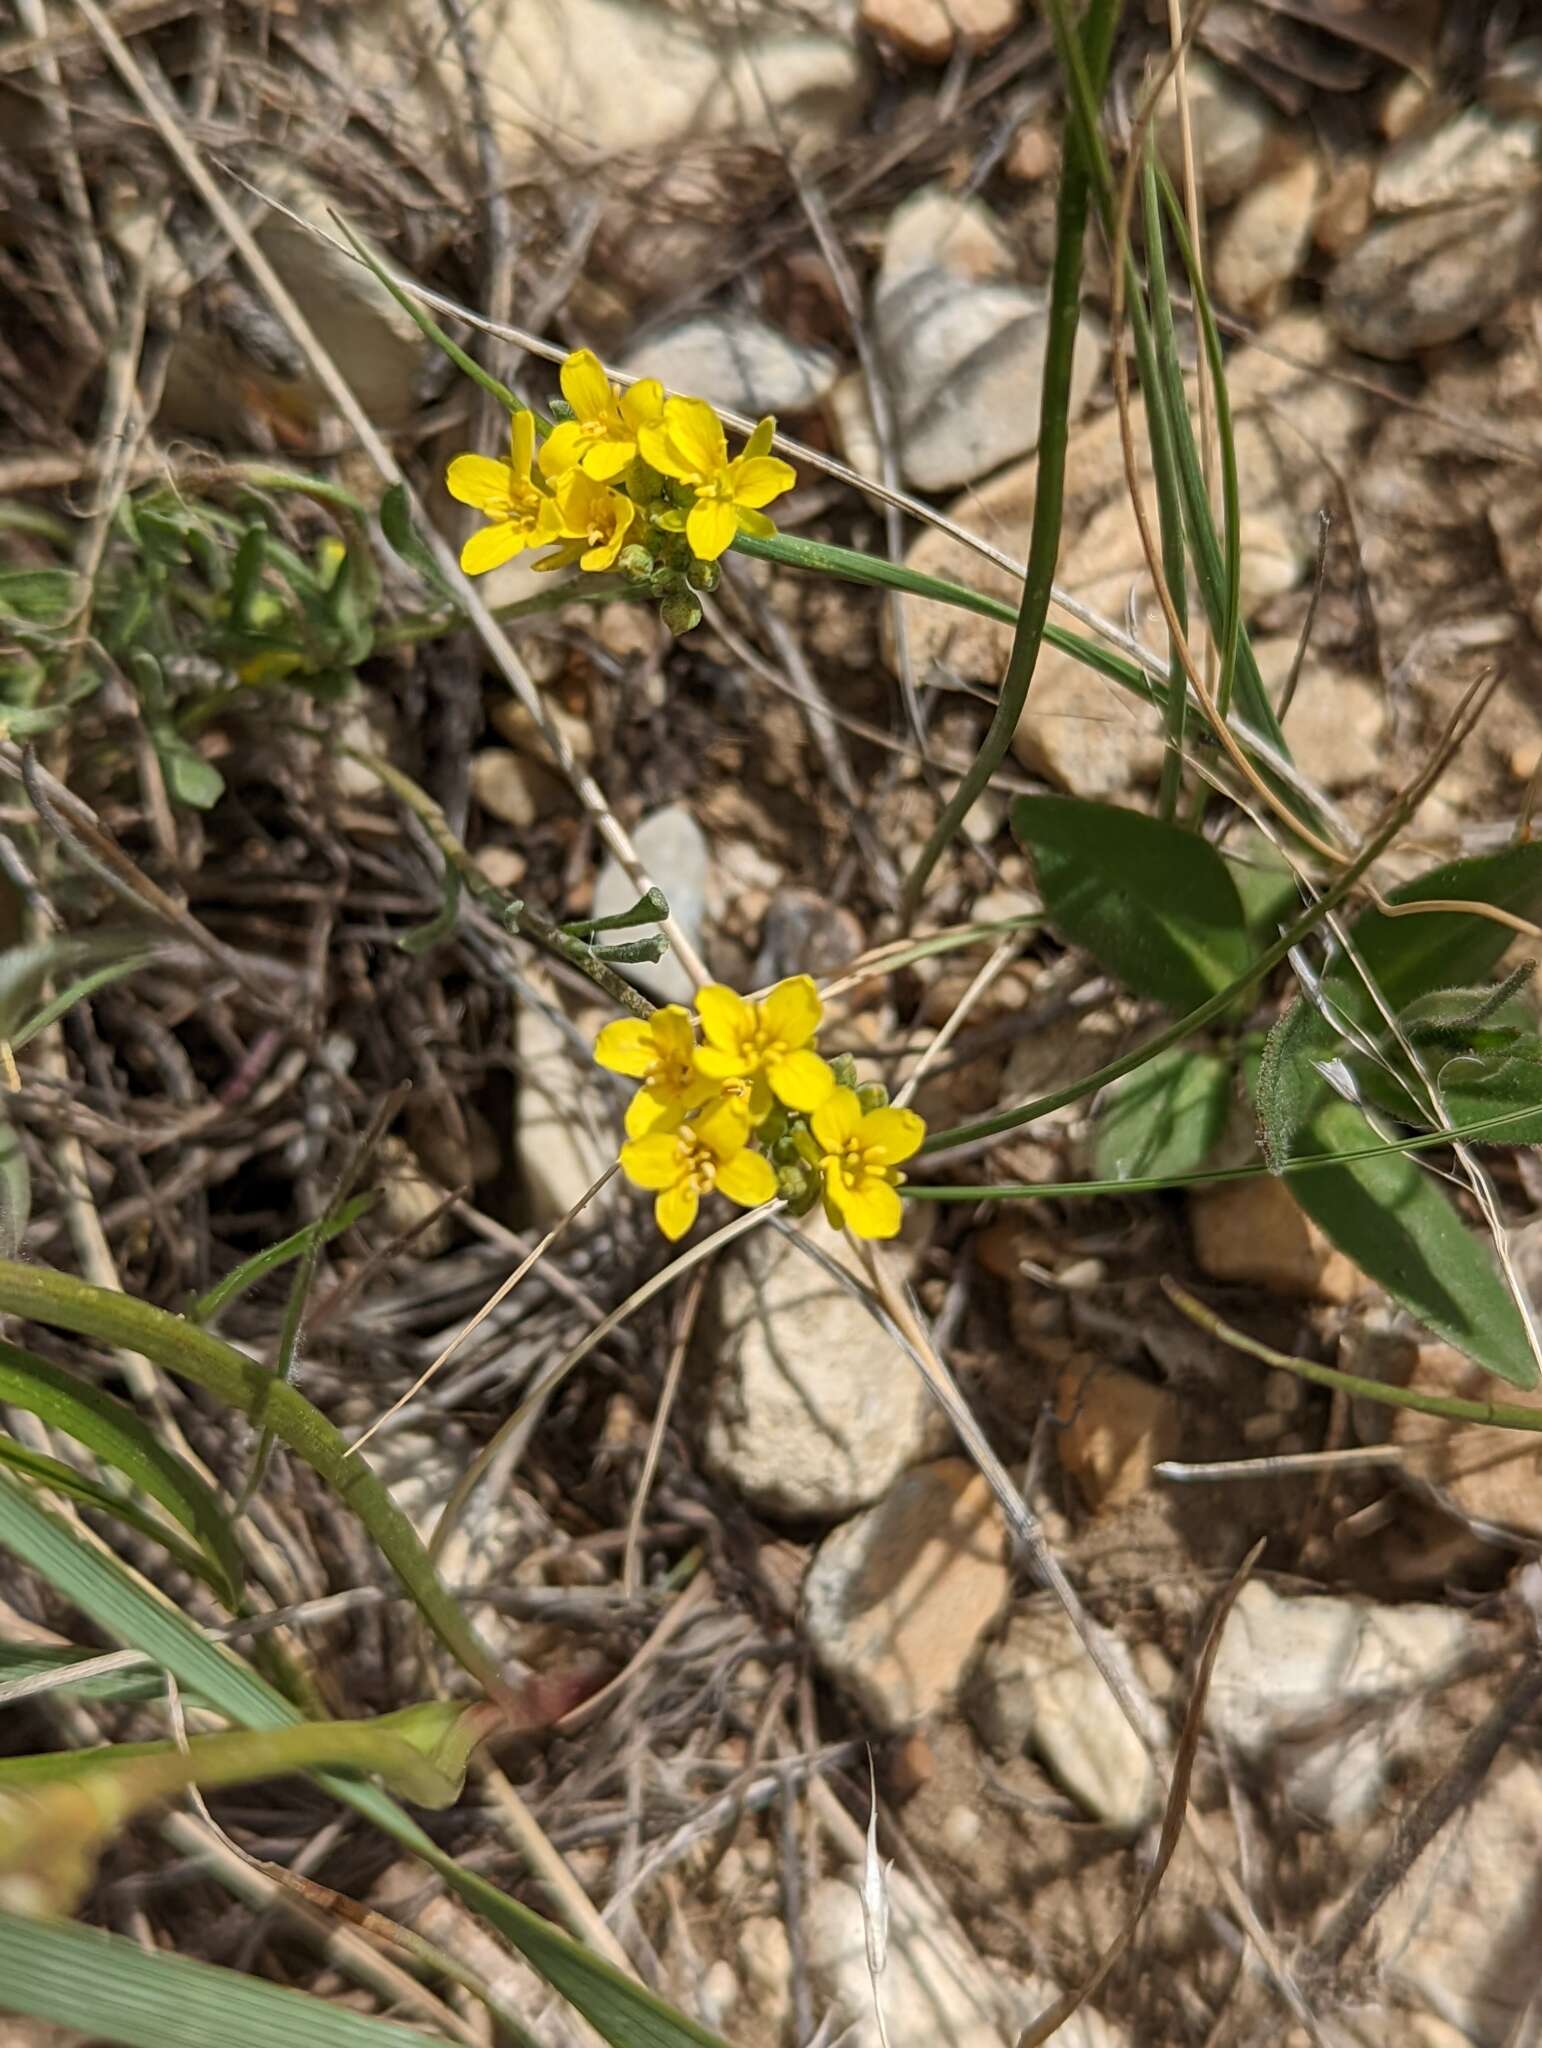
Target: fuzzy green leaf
point(1165, 1118)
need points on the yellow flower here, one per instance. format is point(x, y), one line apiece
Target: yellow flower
point(658, 1051)
point(601, 438)
point(769, 1044)
point(523, 515)
point(688, 444)
point(594, 522)
point(689, 1160)
point(861, 1154)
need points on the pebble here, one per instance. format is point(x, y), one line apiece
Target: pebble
point(765, 1966)
point(675, 855)
point(930, 30)
point(1039, 1688)
point(1264, 240)
point(1460, 1935)
point(1078, 730)
point(627, 78)
point(1476, 154)
point(812, 1410)
point(1308, 1687)
point(565, 1134)
point(517, 725)
point(935, 229)
point(1421, 279)
point(1486, 1475)
point(805, 933)
point(738, 361)
point(514, 788)
point(896, 1601)
point(934, 1989)
point(1114, 1428)
point(1237, 135)
point(1336, 724)
point(1255, 1231)
point(408, 1198)
point(719, 1992)
point(504, 866)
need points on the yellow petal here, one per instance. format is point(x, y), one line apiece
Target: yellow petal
point(675, 1210)
point(748, 1179)
point(604, 554)
point(757, 479)
point(837, 1118)
point(643, 403)
point(561, 558)
point(719, 1063)
point(872, 1208)
point(647, 1112)
point(726, 1018)
point(754, 522)
point(724, 1126)
point(627, 1046)
point(478, 480)
point(491, 546)
point(561, 449)
point(606, 459)
point(653, 1161)
point(521, 441)
point(899, 1131)
point(696, 437)
point(792, 1010)
point(672, 1032)
point(585, 385)
point(710, 526)
point(801, 1079)
point(760, 441)
point(658, 451)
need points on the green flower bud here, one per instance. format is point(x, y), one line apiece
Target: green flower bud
point(680, 612)
point(873, 1095)
point(844, 1068)
point(773, 1127)
point(704, 575)
point(807, 1145)
point(799, 1187)
point(635, 563)
point(561, 410)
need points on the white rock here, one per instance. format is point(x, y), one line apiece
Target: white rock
point(1264, 240)
point(935, 229)
point(1327, 1690)
point(674, 853)
point(812, 1409)
point(966, 364)
point(739, 362)
point(1476, 154)
point(565, 1129)
point(719, 1992)
point(1039, 1687)
point(765, 1968)
point(1461, 1933)
point(1237, 135)
point(1425, 278)
point(896, 1601)
point(936, 1993)
point(513, 787)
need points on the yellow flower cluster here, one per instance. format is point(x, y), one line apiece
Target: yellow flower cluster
point(633, 469)
point(752, 1110)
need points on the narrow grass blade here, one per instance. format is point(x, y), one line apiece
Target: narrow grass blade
point(54, 1476)
point(219, 1297)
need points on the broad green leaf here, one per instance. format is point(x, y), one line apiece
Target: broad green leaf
point(1395, 1220)
point(1165, 1118)
point(1154, 905)
point(39, 597)
point(190, 779)
point(1269, 892)
point(119, 1437)
point(111, 1989)
point(628, 2015)
point(396, 524)
point(1289, 1087)
point(1473, 1089)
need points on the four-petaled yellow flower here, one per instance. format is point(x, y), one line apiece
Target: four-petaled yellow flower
point(594, 522)
point(862, 1150)
point(523, 515)
point(687, 443)
point(601, 438)
point(769, 1044)
point(660, 1052)
point(690, 1159)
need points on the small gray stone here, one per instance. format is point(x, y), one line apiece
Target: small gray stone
point(737, 361)
point(896, 1600)
point(1264, 240)
point(966, 364)
point(935, 229)
point(805, 933)
point(562, 1142)
point(1238, 137)
point(1476, 154)
point(1040, 1687)
point(812, 1410)
point(1423, 279)
point(675, 856)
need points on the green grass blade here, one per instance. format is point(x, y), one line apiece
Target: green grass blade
point(113, 1990)
point(208, 1306)
point(1164, 469)
point(1049, 489)
point(53, 1474)
point(120, 1439)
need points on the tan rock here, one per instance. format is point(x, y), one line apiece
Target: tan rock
point(517, 725)
point(931, 30)
point(1080, 731)
point(504, 866)
point(1264, 240)
point(1490, 1475)
point(1114, 1428)
point(1337, 718)
point(512, 787)
point(1255, 1231)
point(565, 1130)
point(409, 1199)
point(896, 1600)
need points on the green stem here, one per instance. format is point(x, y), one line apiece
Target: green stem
point(1049, 484)
point(1169, 499)
point(1451, 1407)
point(61, 1302)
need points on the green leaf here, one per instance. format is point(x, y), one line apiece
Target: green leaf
point(1270, 896)
point(57, 1477)
point(1156, 906)
point(239, 1278)
point(190, 779)
point(22, 1661)
point(396, 524)
point(15, 1190)
point(1165, 1118)
point(1473, 1089)
point(39, 597)
point(111, 1989)
point(123, 1441)
point(1394, 1219)
point(1290, 1088)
